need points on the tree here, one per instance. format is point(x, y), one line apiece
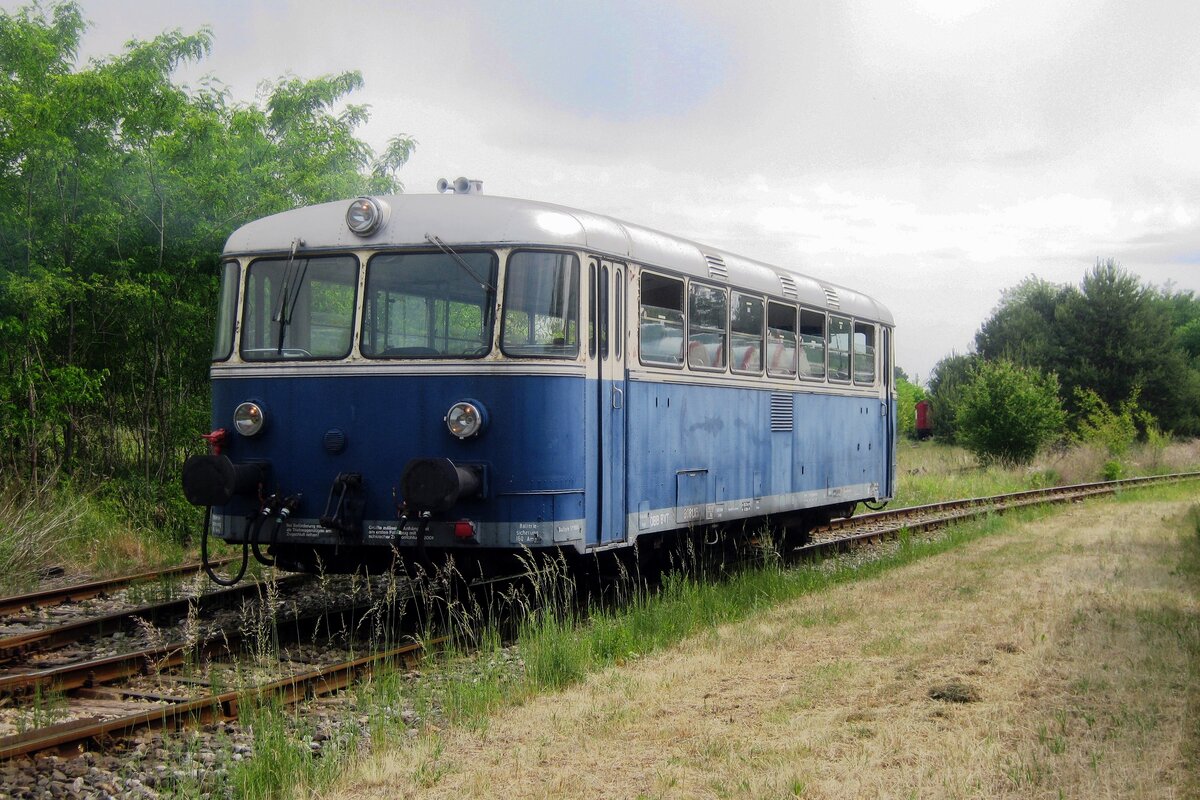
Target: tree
point(118, 188)
point(1006, 412)
point(1109, 335)
point(945, 391)
point(907, 397)
point(1023, 327)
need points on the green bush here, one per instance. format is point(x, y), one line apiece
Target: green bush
point(907, 397)
point(1005, 413)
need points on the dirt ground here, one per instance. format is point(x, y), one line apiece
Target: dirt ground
point(1054, 659)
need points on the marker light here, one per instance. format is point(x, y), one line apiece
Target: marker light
point(365, 215)
point(465, 419)
point(248, 419)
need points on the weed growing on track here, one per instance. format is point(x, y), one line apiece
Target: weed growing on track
point(556, 645)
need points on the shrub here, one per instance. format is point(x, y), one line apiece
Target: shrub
point(1006, 413)
point(907, 397)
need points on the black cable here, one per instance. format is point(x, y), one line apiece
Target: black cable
point(204, 554)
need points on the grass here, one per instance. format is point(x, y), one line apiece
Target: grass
point(930, 471)
point(559, 647)
point(79, 532)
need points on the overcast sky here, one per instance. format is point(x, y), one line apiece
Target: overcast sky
point(929, 153)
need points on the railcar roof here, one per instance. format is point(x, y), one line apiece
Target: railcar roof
point(473, 219)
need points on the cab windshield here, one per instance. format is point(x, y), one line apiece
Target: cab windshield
point(299, 308)
point(429, 305)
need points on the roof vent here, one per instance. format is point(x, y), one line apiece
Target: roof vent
point(460, 186)
point(716, 267)
point(831, 297)
point(789, 287)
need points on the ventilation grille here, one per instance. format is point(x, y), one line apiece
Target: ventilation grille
point(781, 412)
point(789, 287)
point(831, 297)
point(717, 268)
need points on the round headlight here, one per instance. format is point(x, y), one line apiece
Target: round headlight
point(365, 215)
point(248, 418)
point(465, 419)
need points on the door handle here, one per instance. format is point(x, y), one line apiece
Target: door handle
point(618, 397)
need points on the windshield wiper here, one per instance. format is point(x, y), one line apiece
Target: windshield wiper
point(445, 248)
point(287, 305)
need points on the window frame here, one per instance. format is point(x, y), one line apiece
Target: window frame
point(229, 295)
point(872, 343)
point(724, 292)
point(824, 363)
point(488, 309)
point(849, 351)
point(566, 320)
point(762, 328)
point(795, 372)
point(245, 298)
point(679, 365)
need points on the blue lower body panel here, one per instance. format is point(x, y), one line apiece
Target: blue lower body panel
point(689, 454)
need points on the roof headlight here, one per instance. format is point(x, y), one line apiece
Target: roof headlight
point(466, 418)
point(365, 215)
point(249, 419)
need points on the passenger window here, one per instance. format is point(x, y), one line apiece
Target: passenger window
point(541, 306)
point(812, 344)
point(864, 352)
point(839, 349)
point(708, 316)
point(781, 340)
point(618, 313)
point(746, 334)
point(660, 326)
point(592, 299)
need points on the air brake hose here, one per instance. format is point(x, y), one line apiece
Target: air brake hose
point(254, 536)
point(204, 554)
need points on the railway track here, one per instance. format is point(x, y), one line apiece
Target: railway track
point(844, 534)
point(86, 591)
point(160, 704)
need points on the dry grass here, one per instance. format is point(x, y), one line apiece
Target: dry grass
point(1072, 640)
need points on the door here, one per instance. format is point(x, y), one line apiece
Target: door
point(607, 369)
point(889, 415)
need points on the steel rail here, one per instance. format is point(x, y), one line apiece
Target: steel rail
point(223, 706)
point(936, 515)
point(86, 591)
point(1099, 487)
point(22, 644)
point(109, 669)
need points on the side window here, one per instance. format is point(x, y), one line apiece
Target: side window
point(541, 306)
point(708, 316)
point(864, 352)
point(781, 340)
point(660, 322)
point(812, 344)
point(839, 349)
point(618, 334)
point(593, 296)
point(231, 274)
point(746, 334)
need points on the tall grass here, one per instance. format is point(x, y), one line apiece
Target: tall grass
point(77, 532)
point(929, 471)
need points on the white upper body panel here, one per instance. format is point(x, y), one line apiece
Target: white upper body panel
point(478, 219)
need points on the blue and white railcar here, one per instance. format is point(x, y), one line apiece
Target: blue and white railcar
point(459, 371)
